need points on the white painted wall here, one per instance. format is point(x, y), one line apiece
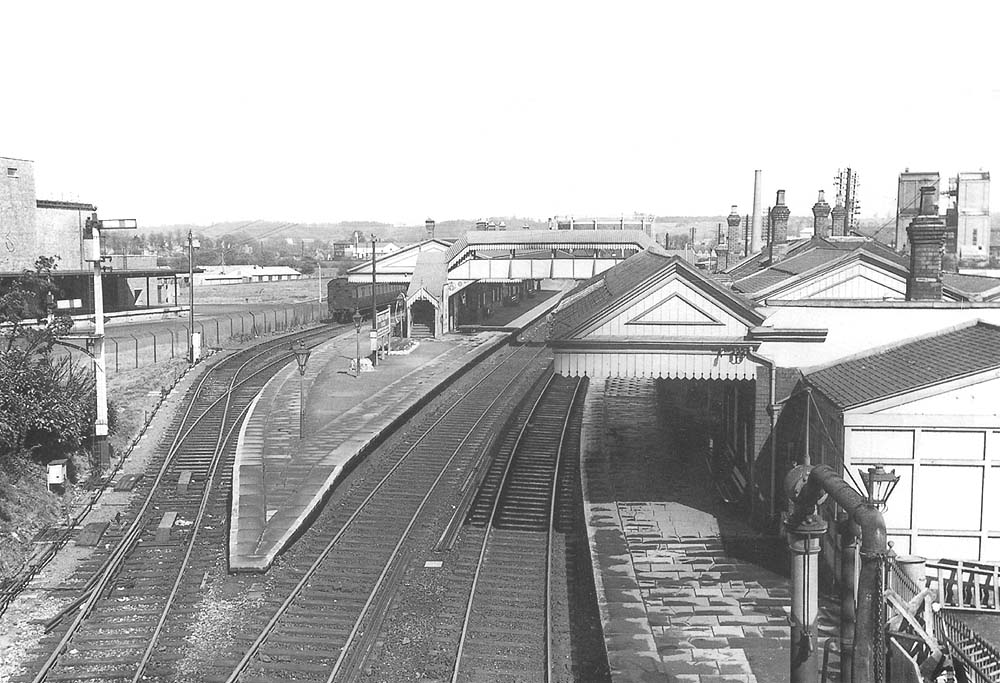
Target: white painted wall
point(945, 446)
point(854, 329)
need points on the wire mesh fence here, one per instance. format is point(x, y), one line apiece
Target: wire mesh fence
point(138, 348)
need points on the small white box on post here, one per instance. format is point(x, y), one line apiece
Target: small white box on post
point(196, 347)
point(56, 473)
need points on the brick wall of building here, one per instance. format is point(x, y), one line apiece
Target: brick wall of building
point(785, 381)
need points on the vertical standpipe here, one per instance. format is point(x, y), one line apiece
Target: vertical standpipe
point(757, 221)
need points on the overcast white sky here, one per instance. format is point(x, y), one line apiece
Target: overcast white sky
point(212, 111)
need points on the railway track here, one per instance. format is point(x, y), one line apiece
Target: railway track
point(507, 627)
point(321, 630)
point(177, 530)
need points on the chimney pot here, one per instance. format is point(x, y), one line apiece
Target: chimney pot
point(821, 197)
point(780, 201)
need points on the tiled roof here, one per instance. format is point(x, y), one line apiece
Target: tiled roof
point(600, 293)
point(806, 256)
point(541, 237)
point(970, 284)
point(909, 366)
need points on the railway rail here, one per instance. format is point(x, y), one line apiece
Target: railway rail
point(164, 608)
point(507, 627)
point(124, 606)
point(319, 630)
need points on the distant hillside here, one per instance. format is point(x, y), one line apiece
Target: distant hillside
point(677, 227)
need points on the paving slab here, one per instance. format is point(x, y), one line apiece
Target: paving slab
point(687, 590)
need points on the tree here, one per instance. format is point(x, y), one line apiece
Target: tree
point(46, 404)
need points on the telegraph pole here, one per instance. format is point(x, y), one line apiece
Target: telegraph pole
point(374, 332)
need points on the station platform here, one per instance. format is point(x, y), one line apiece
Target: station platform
point(281, 477)
point(687, 590)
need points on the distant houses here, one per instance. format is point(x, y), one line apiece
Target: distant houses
point(232, 275)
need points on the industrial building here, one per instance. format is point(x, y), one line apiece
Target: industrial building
point(966, 207)
point(32, 227)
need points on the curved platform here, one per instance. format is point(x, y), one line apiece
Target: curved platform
point(280, 479)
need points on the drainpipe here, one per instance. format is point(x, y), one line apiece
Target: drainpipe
point(771, 410)
point(806, 486)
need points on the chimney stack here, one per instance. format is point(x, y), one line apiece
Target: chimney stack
point(721, 251)
point(926, 237)
point(734, 236)
point(779, 229)
point(839, 218)
point(821, 217)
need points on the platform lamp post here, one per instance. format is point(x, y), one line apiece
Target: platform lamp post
point(192, 245)
point(301, 357)
point(357, 355)
point(879, 485)
point(93, 227)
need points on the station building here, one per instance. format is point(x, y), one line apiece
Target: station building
point(817, 314)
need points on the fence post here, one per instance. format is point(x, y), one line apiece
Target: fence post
point(173, 340)
point(115, 342)
point(253, 327)
point(218, 342)
point(153, 334)
point(286, 318)
point(136, 350)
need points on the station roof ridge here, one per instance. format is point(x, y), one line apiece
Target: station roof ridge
point(814, 255)
point(366, 265)
point(595, 297)
point(909, 364)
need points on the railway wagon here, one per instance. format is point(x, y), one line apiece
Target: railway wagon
point(344, 297)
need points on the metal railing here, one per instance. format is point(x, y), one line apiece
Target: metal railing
point(961, 585)
point(979, 659)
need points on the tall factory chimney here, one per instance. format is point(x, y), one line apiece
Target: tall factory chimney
point(735, 235)
point(779, 222)
point(926, 237)
point(757, 222)
point(821, 217)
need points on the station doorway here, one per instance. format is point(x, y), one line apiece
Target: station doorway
point(715, 419)
point(423, 315)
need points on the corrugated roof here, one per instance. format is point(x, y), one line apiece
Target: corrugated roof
point(909, 366)
point(597, 295)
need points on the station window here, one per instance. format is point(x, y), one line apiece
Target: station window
point(11, 172)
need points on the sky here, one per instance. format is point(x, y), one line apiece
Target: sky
point(206, 112)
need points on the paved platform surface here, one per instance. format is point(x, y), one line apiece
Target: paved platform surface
point(279, 479)
point(687, 590)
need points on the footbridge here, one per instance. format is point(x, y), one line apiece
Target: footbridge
point(512, 255)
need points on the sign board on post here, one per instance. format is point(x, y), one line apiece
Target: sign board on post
point(383, 325)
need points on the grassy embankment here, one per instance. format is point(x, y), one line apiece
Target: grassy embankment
point(27, 507)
